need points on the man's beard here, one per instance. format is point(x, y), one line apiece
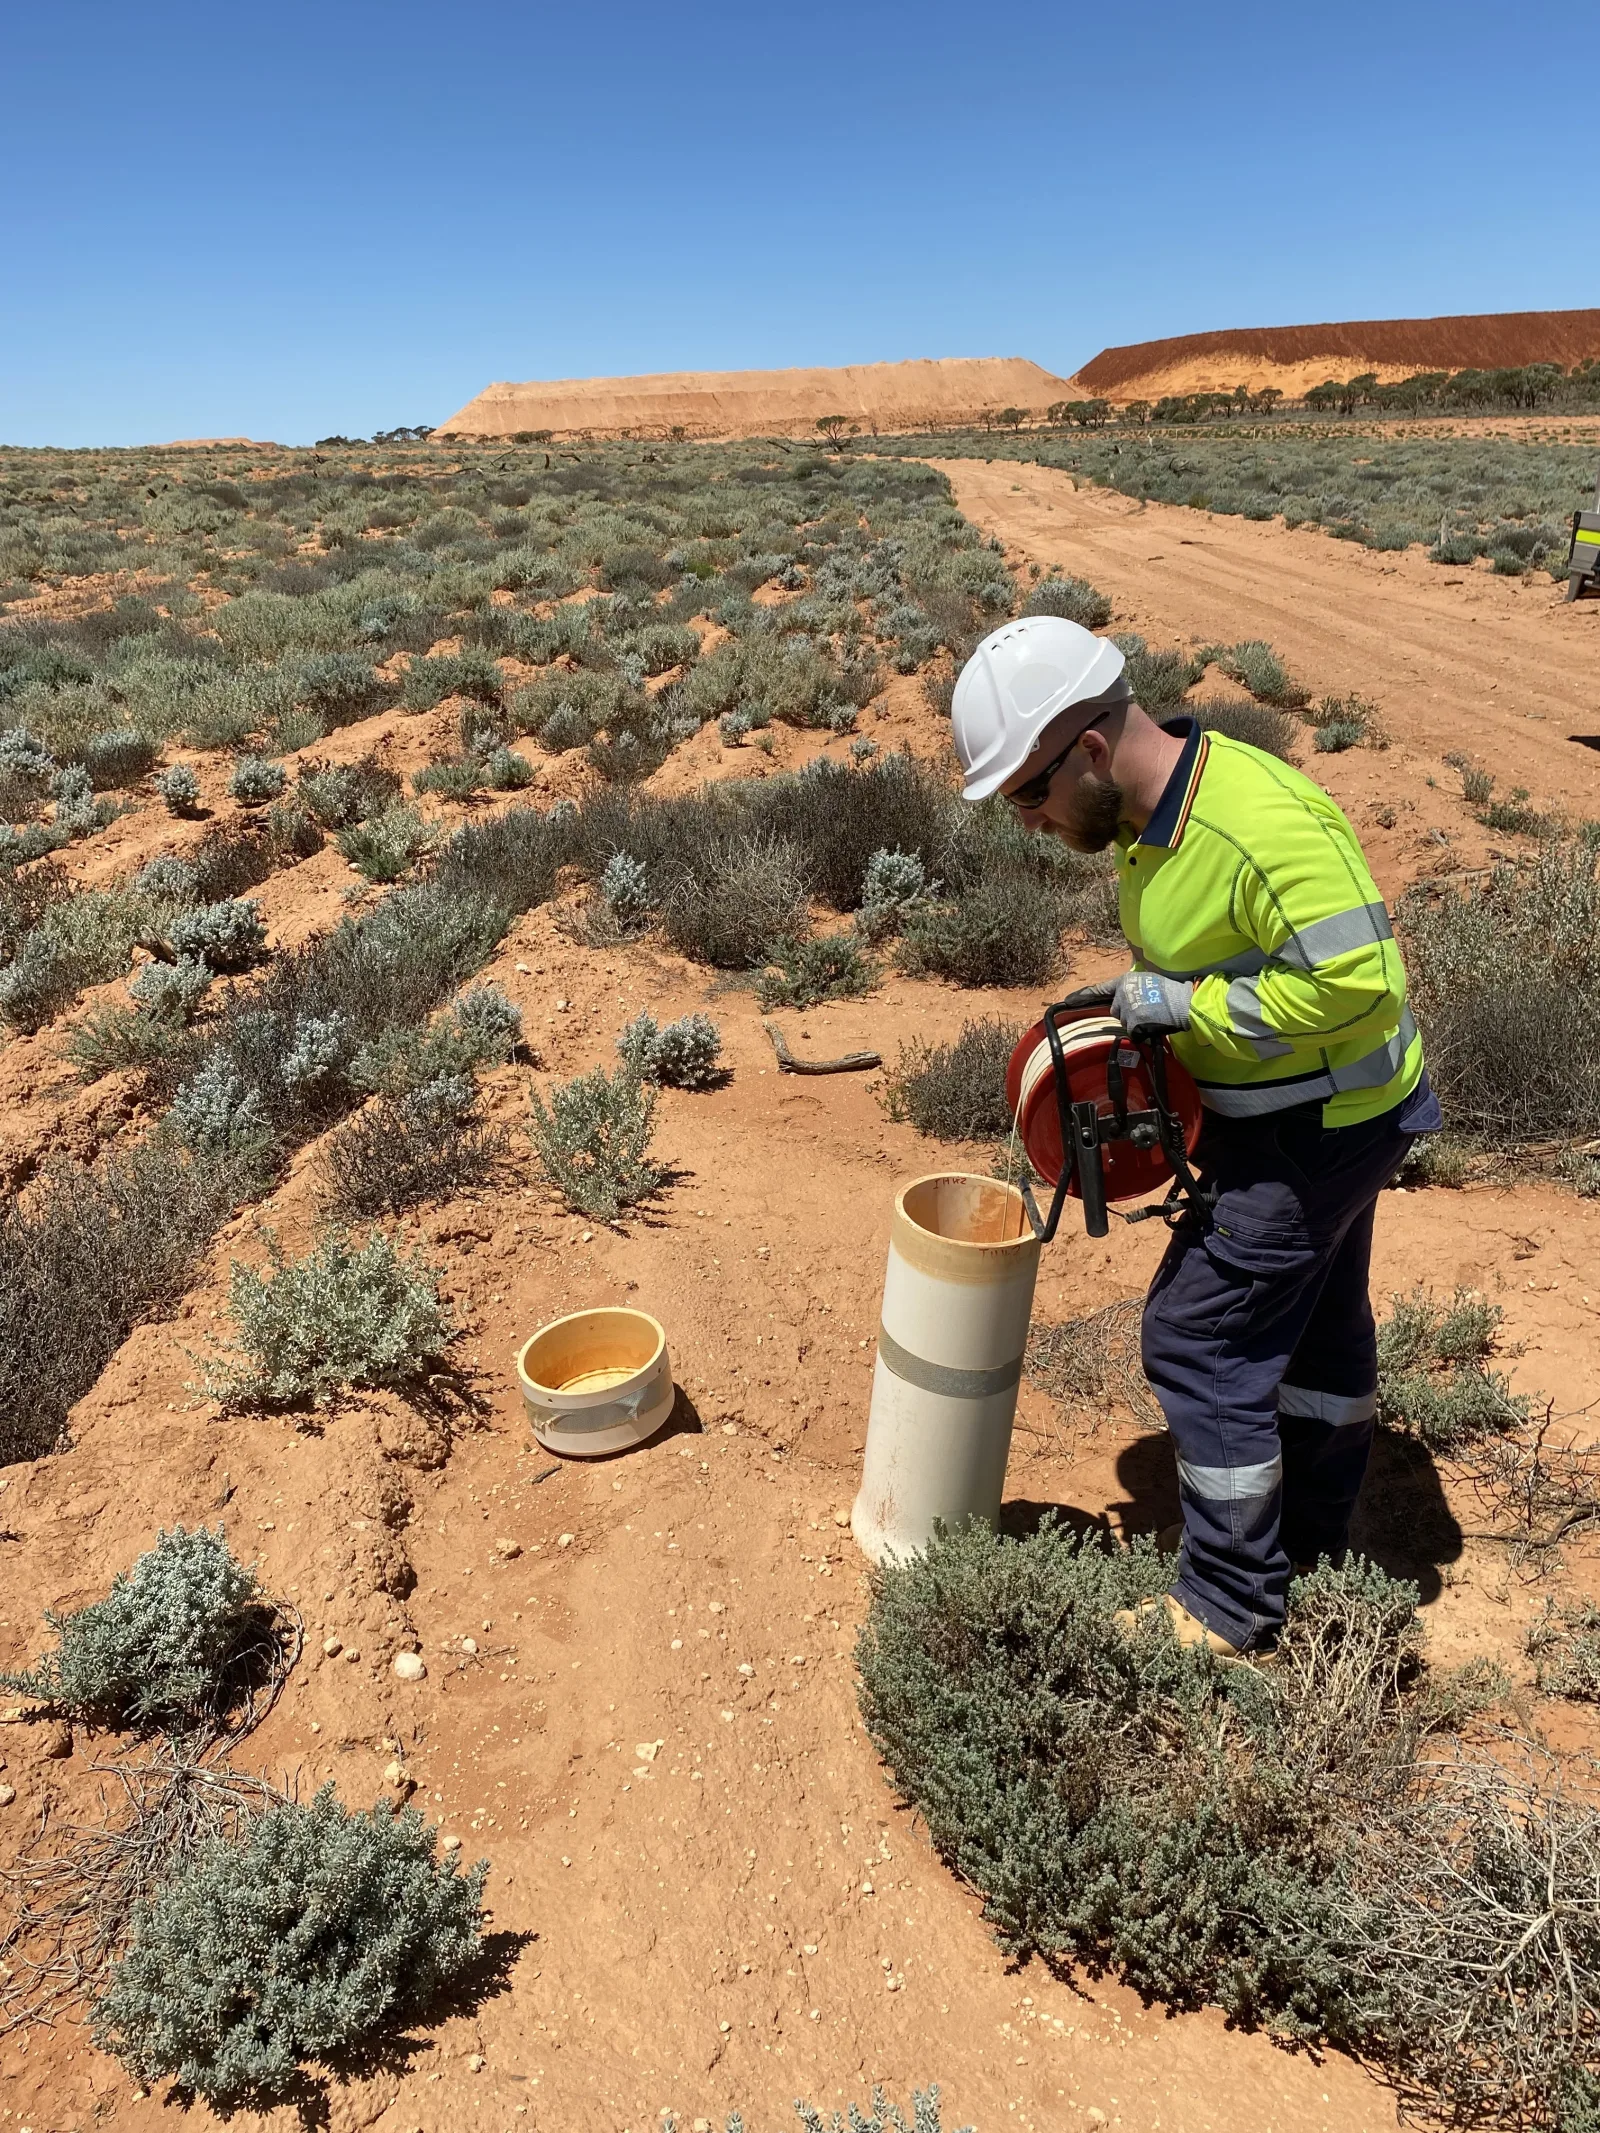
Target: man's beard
point(1093, 815)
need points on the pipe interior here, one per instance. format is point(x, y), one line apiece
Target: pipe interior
point(967, 1210)
point(592, 1350)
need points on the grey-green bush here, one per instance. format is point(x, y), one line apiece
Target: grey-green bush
point(401, 1152)
point(1259, 669)
point(1434, 1375)
point(1004, 930)
point(882, 2117)
point(225, 936)
point(1261, 725)
point(956, 1092)
point(256, 780)
point(1271, 1838)
point(678, 1055)
point(1565, 1641)
point(388, 845)
point(824, 966)
point(1502, 975)
point(745, 892)
point(1075, 598)
point(156, 1651)
point(593, 1141)
point(345, 1315)
point(179, 787)
point(316, 1931)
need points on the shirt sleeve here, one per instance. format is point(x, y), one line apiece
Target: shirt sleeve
point(1329, 970)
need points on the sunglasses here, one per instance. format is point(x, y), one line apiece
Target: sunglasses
point(1034, 791)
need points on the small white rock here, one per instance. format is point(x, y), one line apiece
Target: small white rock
point(353, 1656)
point(332, 1647)
point(408, 1666)
point(508, 1550)
point(647, 1750)
point(394, 1773)
point(469, 1645)
point(452, 1843)
point(7, 1794)
point(475, 2064)
point(565, 1540)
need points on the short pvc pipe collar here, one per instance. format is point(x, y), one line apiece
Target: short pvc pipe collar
point(596, 1381)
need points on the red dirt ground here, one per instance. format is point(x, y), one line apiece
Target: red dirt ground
point(746, 1915)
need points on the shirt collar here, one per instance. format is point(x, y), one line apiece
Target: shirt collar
point(1171, 815)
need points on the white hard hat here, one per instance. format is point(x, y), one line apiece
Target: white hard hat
point(1022, 676)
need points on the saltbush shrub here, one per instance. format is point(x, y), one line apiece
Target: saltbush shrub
point(1434, 1379)
point(339, 794)
point(171, 991)
point(894, 885)
point(1074, 598)
point(226, 936)
point(1159, 680)
point(956, 1092)
point(1257, 667)
point(593, 1142)
point(677, 1055)
point(882, 2117)
point(625, 892)
point(468, 673)
point(118, 758)
point(506, 771)
point(1261, 725)
point(1268, 1838)
point(1502, 975)
point(1116, 1797)
point(399, 1153)
point(1565, 1641)
point(804, 973)
point(745, 892)
point(82, 1261)
point(313, 1933)
point(388, 845)
point(256, 780)
point(1005, 930)
point(219, 1116)
point(156, 1651)
point(109, 1039)
point(343, 1315)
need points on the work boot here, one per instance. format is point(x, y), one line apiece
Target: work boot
point(1170, 1539)
point(1187, 1628)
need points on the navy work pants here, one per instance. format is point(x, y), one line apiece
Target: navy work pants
point(1259, 1344)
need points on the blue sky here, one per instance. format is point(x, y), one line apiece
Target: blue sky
point(287, 221)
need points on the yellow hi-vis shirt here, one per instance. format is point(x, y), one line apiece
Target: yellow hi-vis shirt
point(1249, 881)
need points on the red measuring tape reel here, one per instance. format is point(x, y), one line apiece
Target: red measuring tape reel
point(1103, 1115)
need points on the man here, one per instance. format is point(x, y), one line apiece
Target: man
point(1263, 951)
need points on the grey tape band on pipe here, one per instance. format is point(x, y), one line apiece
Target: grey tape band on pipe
point(941, 1378)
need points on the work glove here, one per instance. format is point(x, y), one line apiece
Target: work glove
point(1144, 1000)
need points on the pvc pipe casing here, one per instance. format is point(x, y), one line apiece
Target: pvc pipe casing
point(957, 1298)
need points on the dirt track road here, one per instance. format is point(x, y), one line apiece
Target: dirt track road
point(1455, 659)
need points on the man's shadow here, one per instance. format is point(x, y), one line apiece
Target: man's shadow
point(1402, 1521)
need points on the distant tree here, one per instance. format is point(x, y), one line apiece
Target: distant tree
point(1012, 417)
point(1321, 397)
point(677, 433)
point(838, 430)
point(1138, 411)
